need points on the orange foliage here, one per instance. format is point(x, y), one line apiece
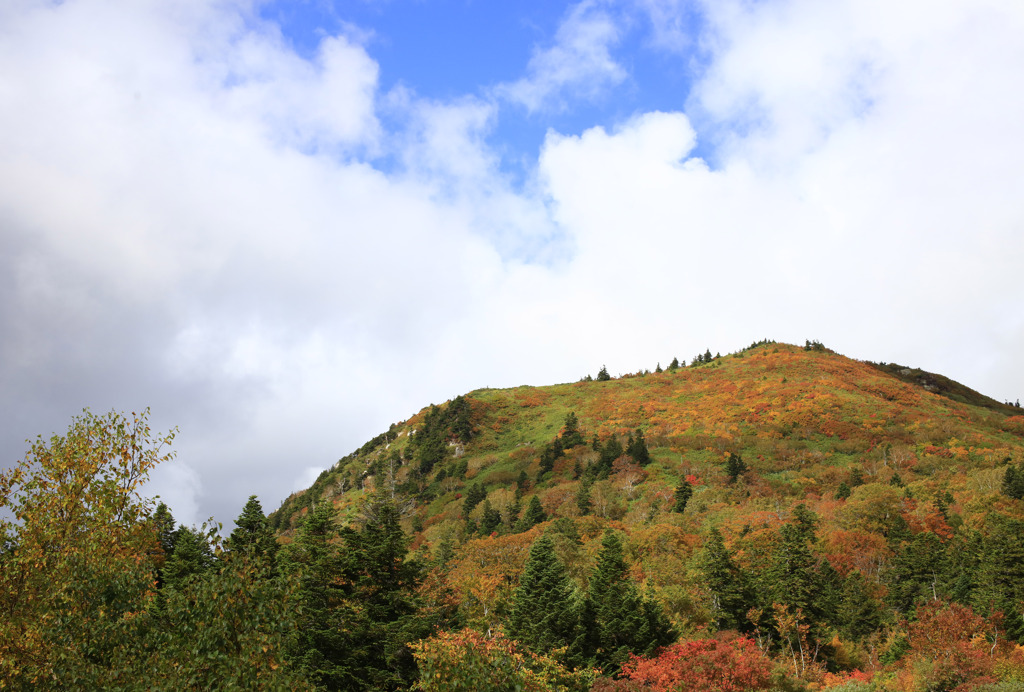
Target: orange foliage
point(703, 665)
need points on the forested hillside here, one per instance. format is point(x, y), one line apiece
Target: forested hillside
point(782, 517)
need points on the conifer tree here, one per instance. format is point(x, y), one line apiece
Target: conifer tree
point(571, 435)
point(490, 519)
point(684, 491)
point(534, 515)
point(735, 467)
point(602, 374)
point(583, 501)
point(322, 649)
point(624, 622)
point(859, 614)
point(384, 582)
point(674, 365)
point(546, 610)
point(191, 557)
point(728, 585)
point(1013, 482)
point(637, 448)
point(252, 536)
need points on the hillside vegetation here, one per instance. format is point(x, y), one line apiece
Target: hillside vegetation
point(789, 494)
point(780, 518)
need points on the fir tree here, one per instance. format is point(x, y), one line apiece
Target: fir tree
point(735, 467)
point(384, 583)
point(602, 374)
point(534, 515)
point(320, 648)
point(637, 448)
point(684, 491)
point(624, 622)
point(1013, 482)
point(859, 614)
point(252, 536)
point(571, 435)
point(674, 365)
point(583, 501)
point(474, 496)
point(490, 519)
point(726, 583)
point(546, 610)
point(191, 557)
point(843, 491)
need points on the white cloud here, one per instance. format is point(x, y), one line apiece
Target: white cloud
point(578, 65)
point(191, 220)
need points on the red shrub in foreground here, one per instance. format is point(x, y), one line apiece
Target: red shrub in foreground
point(700, 665)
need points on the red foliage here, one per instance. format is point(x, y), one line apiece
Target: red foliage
point(700, 665)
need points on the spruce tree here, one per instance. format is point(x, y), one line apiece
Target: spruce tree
point(571, 435)
point(384, 582)
point(624, 622)
point(252, 536)
point(490, 519)
point(533, 515)
point(191, 557)
point(1013, 482)
point(684, 491)
point(583, 501)
point(735, 467)
point(602, 374)
point(546, 610)
point(730, 600)
point(322, 649)
point(637, 448)
point(674, 365)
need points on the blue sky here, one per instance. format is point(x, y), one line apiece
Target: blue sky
point(449, 50)
point(285, 226)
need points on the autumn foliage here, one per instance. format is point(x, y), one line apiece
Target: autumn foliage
point(703, 665)
point(468, 661)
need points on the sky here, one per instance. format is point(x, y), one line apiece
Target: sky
point(283, 226)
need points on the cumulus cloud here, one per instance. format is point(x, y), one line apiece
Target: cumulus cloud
point(579, 64)
point(195, 219)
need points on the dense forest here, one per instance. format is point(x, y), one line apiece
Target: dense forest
point(778, 518)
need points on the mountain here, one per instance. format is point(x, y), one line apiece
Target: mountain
point(850, 519)
point(802, 419)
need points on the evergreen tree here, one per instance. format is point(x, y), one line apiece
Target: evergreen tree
point(571, 435)
point(1013, 482)
point(611, 451)
point(490, 520)
point(843, 491)
point(583, 501)
point(917, 567)
point(1000, 578)
point(859, 614)
point(534, 515)
point(637, 448)
point(252, 536)
point(321, 648)
point(674, 365)
point(602, 374)
point(730, 599)
point(474, 496)
point(384, 583)
point(624, 622)
point(735, 467)
point(546, 610)
point(684, 491)
point(190, 558)
point(707, 356)
point(163, 522)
